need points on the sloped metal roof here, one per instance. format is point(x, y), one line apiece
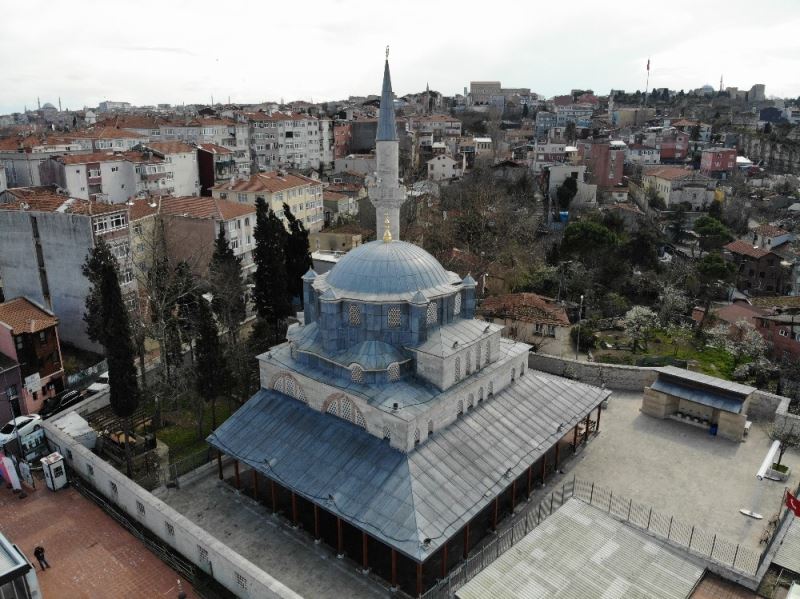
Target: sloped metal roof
point(701, 396)
point(704, 379)
point(462, 332)
point(788, 555)
point(387, 126)
point(580, 551)
point(402, 499)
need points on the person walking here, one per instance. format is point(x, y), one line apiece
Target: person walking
point(39, 553)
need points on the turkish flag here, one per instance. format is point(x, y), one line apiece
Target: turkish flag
point(793, 503)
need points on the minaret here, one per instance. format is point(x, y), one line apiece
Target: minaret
point(385, 191)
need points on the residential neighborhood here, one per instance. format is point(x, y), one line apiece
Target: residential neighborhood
point(311, 311)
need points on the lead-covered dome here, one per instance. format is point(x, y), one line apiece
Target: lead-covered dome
point(396, 269)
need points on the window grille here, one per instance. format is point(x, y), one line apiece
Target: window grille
point(488, 352)
point(433, 314)
point(241, 581)
point(457, 370)
point(387, 433)
point(457, 304)
point(394, 317)
point(170, 529)
point(114, 488)
point(355, 314)
point(140, 508)
point(460, 407)
point(357, 374)
point(347, 409)
point(468, 363)
point(90, 468)
point(394, 372)
point(359, 418)
point(478, 357)
point(333, 408)
point(202, 553)
point(416, 436)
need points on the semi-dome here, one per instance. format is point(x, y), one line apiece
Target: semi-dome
point(385, 269)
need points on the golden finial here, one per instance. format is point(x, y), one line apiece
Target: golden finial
point(387, 52)
point(387, 229)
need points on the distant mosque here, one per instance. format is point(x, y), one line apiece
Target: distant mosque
point(392, 424)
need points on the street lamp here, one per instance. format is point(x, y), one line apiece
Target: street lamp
point(578, 336)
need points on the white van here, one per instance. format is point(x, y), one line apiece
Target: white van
point(100, 385)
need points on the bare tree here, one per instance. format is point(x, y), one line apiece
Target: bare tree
point(787, 434)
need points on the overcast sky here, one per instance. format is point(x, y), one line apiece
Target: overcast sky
point(176, 51)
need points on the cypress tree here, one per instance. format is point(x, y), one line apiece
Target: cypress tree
point(188, 301)
point(270, 293)
point(210, 367)
point(298, 255)
point(227, 286)
point(107, 322)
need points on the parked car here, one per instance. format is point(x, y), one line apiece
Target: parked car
point(100, 385)
point(22, 424)
point(60, 402)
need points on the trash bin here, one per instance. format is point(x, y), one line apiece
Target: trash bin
point(712, 430)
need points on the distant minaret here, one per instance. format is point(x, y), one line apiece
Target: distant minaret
point(427, 98)
point(720, 84)
point(385, 191)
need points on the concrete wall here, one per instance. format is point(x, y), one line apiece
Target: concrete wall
point(613, 376)
point(18, 266)
point(231, 570)
point(763, 406)
point(660, 405)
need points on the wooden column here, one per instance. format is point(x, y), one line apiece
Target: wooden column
point(599, 408)
point(466, 540)
point(394, 568)
point(255, 484)
point(339, 537)
point(513, 495)
point(419, 580)
point(236, 471)
point(316, 522)
point(530, 478)
point(586, 434)
point(575, 440)
point(494, 515)
point(219, 464)
point(558, 449)
point(544, 466)
point(364, 548)
point(274, 496)
point(294, 508)
point(444, 560)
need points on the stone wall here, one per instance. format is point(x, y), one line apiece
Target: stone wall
point(762, 406)
point(783, 417)
point(613, 376)
point(240, 576)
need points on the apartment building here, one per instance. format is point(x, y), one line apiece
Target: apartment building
point(22, 157)
point(181, 159)
point(604, 160)
point(216, 164)
point(228, 133)
point(643, 155)
point(574, 113)
point(29, 337)
point(342, 136)
point(302, 194)
point(45, 239)
point(290, 140)
point(109, 139)
point(677, 185)
point(718, 163)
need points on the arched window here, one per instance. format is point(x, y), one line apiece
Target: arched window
point(491, 389)
point(342, 406)
point(430, 427)
point(488, 352)
point(387, 433)
point(457, 370)
point(513, 374)
point(357, 374)
point(468, 362)
point(293, 349)
point(480, 395)
point(457, 304)
point(394, 317)
point(460, 408)
point(478, 357)
point(522, 370)
point(393, 372)
point(416, 436)
point(470, 401)
point(288, 385)
point(432, 316)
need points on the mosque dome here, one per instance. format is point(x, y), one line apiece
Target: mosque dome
point(384, 269)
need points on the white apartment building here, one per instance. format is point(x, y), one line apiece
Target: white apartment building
point(182, 160)
point(443, 168)
point(227, 133)
point(290, 140)
point(302, 194)
point(644, 155)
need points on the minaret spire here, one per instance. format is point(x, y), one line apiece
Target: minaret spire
point(385, 191)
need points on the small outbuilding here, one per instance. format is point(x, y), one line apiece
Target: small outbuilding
point(704, 401)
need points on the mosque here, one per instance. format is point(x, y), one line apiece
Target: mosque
point(393, 425)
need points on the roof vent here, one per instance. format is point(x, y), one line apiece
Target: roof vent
point(395, 406)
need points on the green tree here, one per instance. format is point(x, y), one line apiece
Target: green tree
point(588, 240)
point(677, 225)
point(211, 369)
point(570, 133)
point(298, 254)
point(714, 273)
point(654, 199)
point(525, 111)
point(713, 234)
point(188, 298)
point(107, 323)
point(270, 294)
point(741, 340)
point(227, 287)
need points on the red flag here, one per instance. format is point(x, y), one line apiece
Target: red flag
point(648, 64)
point(793, 503)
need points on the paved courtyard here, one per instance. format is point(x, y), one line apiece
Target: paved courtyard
point(251, 530)
point(91, 556)
point(683, 471)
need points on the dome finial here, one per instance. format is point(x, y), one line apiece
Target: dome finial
point(387, 52)
point(387, 229)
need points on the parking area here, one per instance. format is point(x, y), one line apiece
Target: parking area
point(683, 471)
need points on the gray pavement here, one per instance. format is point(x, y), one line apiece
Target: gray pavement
point(683, 471)
point(251, 530)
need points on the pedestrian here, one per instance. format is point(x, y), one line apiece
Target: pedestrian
point(39, 553)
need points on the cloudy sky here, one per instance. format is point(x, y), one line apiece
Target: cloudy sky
point(175, 51)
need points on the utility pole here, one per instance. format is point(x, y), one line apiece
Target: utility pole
point(578, 336)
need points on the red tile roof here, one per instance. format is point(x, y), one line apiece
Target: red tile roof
point(105, 133)
point(23, 316)
point(269, 182)
point(60, 203)
point(279, 116)
point(88, 158)
point(215, 149)
point(743, 248)
point(770, 231)
point(205, 207)
point(334, 196)
point(171, 147)
point(525, 307)
point(670, 173)
point(733, 313)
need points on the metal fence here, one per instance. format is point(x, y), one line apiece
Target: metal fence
point(77, 379)
point(692, 538)
point(158, 476)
